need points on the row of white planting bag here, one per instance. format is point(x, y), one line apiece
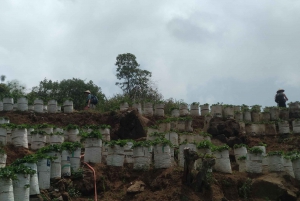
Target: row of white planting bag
point(38, 105)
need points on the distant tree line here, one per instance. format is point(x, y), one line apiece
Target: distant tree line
point(135, 83)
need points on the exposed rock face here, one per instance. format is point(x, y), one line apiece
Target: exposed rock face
point(131, 125)
point(230, 128)
point(227, 131)
point(136, 187)
point(273, 187)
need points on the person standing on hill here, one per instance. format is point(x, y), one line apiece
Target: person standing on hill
point(280, 98)
point(89, 100)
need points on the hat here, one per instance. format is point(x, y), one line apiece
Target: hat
point(87, 91)
point(280, 90)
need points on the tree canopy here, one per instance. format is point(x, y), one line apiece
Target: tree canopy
point(134, 82)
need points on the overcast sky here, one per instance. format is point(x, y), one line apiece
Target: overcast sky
point(235, 52)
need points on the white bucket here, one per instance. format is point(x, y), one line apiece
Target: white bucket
point(141, 158)
point(58, 108)
point(228, 112)
point(183, 109)
point(22, 104)
point(6, 192)
point(238, 152)
point(238, 116)
point(49, 131)
point(37, 141)
point(216, 110)
point(115, 160)
point(275, 163)
point(75, 159)
point(29, 130)
point(190, 138)
point(93, 154)
point(254, 163)
point(34, 182)
point(8, 136)
point(296, 126)
point(242, 165)
point(175, 113)
point(162, 156)
point(222, 161)
point(128, 153)
point(115, 156)
point(148, 109)
point(15, 107)
point(20, 191)
point(181, 154)
point(255, 116)
point(159, 110)
point(19, 137)
point(68, 106)
point(180, 125)
point(3, 158)
point(65, 163)
point(105, 134)
point(270, 129)
point(30, 107)
point(56, 139)
point(274, 113)
point(172, 137)
point(138, 106)
point(204, 109)
point(124, 106)
point(1, 106)
point(254, 129)
point(283, 127)
point(3, 136)
point(194, 110)
point(8, 104)
point(296, 168)
point(52, 106)
point(44, 170)
point(164, 127)
point(288, 167)
point(55, 171)
point(73, 135)
point(247, 116)
point(265, 116)
point(198, 162)
point(38, 106)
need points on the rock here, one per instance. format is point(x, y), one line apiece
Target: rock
point(222, 138)
point(233, 140)
point(271, 186)
point(136, 187)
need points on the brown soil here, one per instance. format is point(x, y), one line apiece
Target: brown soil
point(160, 184)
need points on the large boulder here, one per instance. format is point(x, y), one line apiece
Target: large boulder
point(274, 187)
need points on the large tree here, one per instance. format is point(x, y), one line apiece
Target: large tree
point(134, 82)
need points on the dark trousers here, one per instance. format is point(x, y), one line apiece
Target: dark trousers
point(281, 104)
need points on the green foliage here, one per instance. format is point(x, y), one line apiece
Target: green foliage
point(12, 89)
point(157, 134)
point(204, 144)
point(77, 174)
point(70, 146)
point(105, 126)
point(44, 126)
point(275, 153)
point(255, 150)
point(241, 158)
point(162, 141)
point(239, 146)
point(70, 89)
point(73, 193)
point(22, 169)
point(262, 144)
point(121, 143)
point(37, 132)
point(50, 148)
point(220, 148)
point(93, 134)
point(245, 189)
point(2, 151)
point(71, 127)
point(146, 143)
point(7, 173)
point(205, 134)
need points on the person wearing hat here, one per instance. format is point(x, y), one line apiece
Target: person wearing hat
point(88, 100)
point(280, 98)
